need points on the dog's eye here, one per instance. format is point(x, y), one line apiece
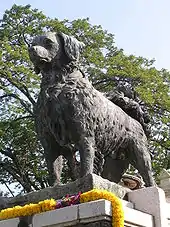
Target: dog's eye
point(48, 42)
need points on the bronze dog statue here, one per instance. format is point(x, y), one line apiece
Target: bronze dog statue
point(71, 112)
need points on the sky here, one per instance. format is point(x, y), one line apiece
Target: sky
point(141, 27)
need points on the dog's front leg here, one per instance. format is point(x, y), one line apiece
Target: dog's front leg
point(87, 154)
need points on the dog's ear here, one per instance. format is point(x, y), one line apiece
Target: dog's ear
point(72, 46)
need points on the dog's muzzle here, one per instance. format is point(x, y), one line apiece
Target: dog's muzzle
point(38, 53)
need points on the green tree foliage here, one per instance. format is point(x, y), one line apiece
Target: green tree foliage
point(21, 156)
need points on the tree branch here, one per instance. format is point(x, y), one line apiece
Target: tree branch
point(23, 103)
point(103, 81)
point(8, 189)
point(7, 152)
point(27, 94)
point(11, 171)
point(23, 89)
point(21, 118)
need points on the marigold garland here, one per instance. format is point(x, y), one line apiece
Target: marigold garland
point(27, 210)
point(117, 208)
point(51, 204)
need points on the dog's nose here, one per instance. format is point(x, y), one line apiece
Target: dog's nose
point(38, 52)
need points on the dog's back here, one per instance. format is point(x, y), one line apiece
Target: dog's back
point(81, 109)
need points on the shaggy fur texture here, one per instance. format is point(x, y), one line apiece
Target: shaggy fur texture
point(71, 112)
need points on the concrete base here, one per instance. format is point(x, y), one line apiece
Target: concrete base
point(165, 183)
point(87, 183)
point(146, 207)
point(93, 214)
point(151, 201)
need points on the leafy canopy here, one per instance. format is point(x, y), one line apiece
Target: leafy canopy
point(21, 155)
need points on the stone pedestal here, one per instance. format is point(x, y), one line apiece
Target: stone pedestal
point(151, 201)
point(87, 183)
point(146, 207)
point(92, 214)
point(165, 183)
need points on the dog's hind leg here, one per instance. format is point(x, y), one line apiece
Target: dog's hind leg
point(141, 160)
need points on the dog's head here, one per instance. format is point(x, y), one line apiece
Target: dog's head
point(57, 49)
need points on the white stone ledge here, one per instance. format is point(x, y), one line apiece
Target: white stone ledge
point(138, 218)
point(10, 223)
point(84, 213)
point(94, 209)
point(168, 210)
point(65, 217)
point(152, 201)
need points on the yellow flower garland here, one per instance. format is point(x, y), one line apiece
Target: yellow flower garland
point(28, 210)
point(117, 208)
point(46, 205)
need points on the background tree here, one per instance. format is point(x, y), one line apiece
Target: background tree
point(21, 156)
